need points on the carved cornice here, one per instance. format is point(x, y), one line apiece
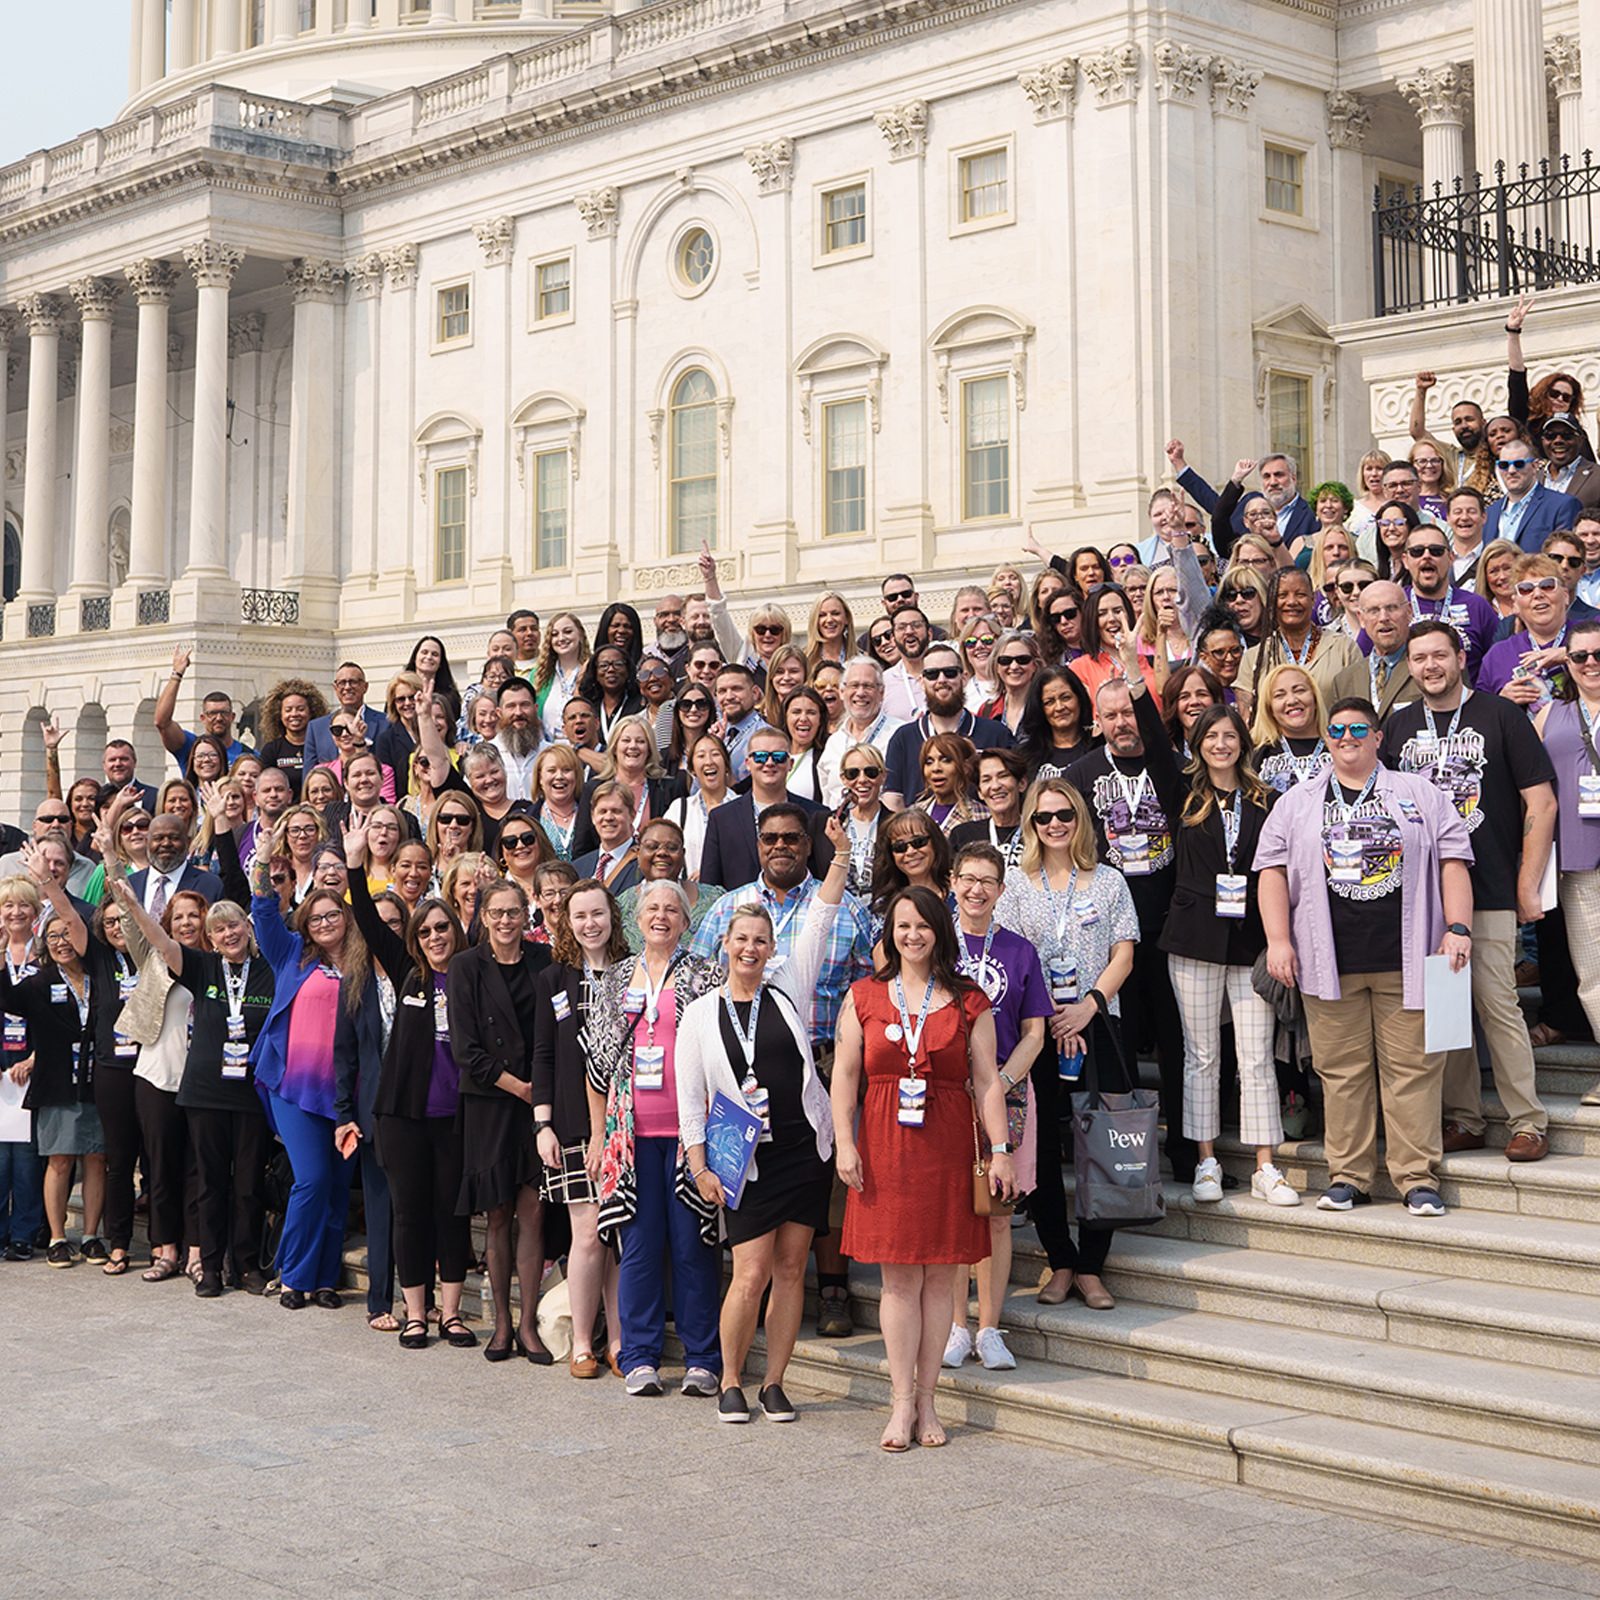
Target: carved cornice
point(313, 282)
point(598, 208)
point(153, 282)
point(1052, 89)
point(365, 275)
point(1440, 96)
point(1113, 74)
point(400, 264)
point(1348, 120)
point(495, 238)
point(212, 263)
point(1563, 65)
point(905, 127)
point(1179, 70)
point(773, 164)
point(44, 314)
point(96, 298)
point(1233, 86)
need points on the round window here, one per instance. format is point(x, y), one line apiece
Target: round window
point(697, 257)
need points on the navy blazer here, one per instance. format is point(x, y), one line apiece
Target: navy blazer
point(1547, 510)
point(358, 1058)
point(1302, 521)
point(320, 746)
point(196, 880)
point(730, 856)
point(586, 864)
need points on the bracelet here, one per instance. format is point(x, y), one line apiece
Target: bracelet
point(539, 1127)
point(1001, 1149)
point(1510, 329)
point(1007, 1082)
point(697, 1176)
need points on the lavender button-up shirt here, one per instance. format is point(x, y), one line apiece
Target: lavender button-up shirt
point(1431, 832)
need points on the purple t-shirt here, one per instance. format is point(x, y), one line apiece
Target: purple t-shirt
point(1500, 665)
point(444, 1078)
point(1013, 980)
point(1469, 614)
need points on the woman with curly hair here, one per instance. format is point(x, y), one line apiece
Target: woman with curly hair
point(563, 654)
point(290, 706)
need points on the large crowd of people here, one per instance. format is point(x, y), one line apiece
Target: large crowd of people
point(496, 941)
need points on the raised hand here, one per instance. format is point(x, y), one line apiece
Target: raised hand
point(355, 845)
point(53, 733)
point(181, 657)
point(1518, 314)
point(1176, 457)
point(1426, 380)
point(216, 802)
point(1242, 468)
point(708, 572)
point(838, 836)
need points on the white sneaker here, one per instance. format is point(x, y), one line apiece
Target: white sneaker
point(992, 1350)
point(1208, 1180)
point(1270, 1185)
point(699, 1382)
point(644, 1380)
point(957, 1347)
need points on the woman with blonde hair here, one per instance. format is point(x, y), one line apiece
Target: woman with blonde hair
point(1369, 473)
point(463, 880)
point(829, 631)
point(1436, 477)
point(299, 831)
point(557, 785)
point(397, 739)
point(1495, 575)
point(454, 829)
point(1329, 549)
point(632, 759)
point(385, 830)
point(1289, 728)
point(971, 600)
point(563, 654)
point(977, 641)
point(765, 634)
point(1162, 639)
point(786, 672)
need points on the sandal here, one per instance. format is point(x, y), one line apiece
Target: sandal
point(897, 1446)
point(164, 1267)
point(117, 1265)
point(194, 1272)
point(417, 1340)
point(931, 1441)
point(387, 1322)
point(1541, 1035)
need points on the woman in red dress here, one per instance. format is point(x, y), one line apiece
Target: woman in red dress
point(921, 1030)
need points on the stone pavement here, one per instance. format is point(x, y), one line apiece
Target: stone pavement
point(154, 1445)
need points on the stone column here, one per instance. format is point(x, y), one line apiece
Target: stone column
point(96, 300)
point(1509, 99)
point(534, 10)
point(225, 20)
point(154, 49)
point(153, 283)
point(398, 505)
point(1440, 97)
point(213, 266)
point(44, 315)
point(313, 524)
point(443, 11)
point(1563, 65)
point(1348, 121)
point(136, 46)
point(284, 22)
point(183, 48)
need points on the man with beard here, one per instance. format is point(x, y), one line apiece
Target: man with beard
point(1427, 559)
point(865, 722)
point(521, 735)
point(1474, 460)
point(1134, 790)
point(946, 713)
point(170, 868)
point(903, 695)
point(738, 700)
point(697, 622)
point(1483, 754)
point(672, 641)
point(1587, 530)
point(1383, 678)
point(1565, 470)
point(733, 830)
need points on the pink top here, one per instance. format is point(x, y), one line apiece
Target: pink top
point(655, 1111)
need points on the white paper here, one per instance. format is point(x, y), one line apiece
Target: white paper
point(1447, 1005)
point(1547, 884)
point(16, 1125)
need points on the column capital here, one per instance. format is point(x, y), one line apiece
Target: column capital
point(96, 298)
point(772, 161)
point(1233, 86)
point(400, 264)
point(1179, 70)
point(153, 281)
point(1113, 73)
point(598, 208)
point(213, 263)
point(1052, 89)
point(44, 314)
point(1348, 120)
point(495, 238)
point(316, 282)
point(1439, 95)
point(365, 274)
point(1563, 65)
point(9, 323)
point(905, 127)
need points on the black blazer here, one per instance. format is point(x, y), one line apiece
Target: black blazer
point(663, 791)
point(195, 880)
point(53, 1030)
point(560, 1073)
point(1193, 927)
point(729, 856)
point(485, 1036)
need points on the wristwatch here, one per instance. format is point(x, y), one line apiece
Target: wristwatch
point(1001, 1149)
point(1460, 930)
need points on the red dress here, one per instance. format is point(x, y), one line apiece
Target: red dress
point(915, 1204)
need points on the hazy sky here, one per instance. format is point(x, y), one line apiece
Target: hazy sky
point(68, 70)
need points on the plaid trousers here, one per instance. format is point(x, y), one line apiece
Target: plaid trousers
point(1201, 987)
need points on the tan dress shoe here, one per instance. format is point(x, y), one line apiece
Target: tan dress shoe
point(1092, 1292)
point(1528, 1146)
point(1055, 1288)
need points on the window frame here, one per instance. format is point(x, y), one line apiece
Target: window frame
point(825, 502)
point(560, 319)
point(1304, 452)
point(1004, 145)
point(674, 410)
point(439, 289)
point(676, 275)
point(536, 457)
point(965, 382)
point(440, 473)
point(822, 256)
point(1306, 218)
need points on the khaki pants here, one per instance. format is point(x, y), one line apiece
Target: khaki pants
point(1494, 1003)
point(1362, 1042)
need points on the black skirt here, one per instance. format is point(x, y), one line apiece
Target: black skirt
point(794, 1185)
point(498, 1156)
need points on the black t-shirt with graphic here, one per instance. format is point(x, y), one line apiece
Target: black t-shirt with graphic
point(1482, 767)
point(1365, 910)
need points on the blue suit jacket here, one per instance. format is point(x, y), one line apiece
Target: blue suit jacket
point(1548, 509)
point(320, 745)
point(1302, 519)
point(194, 878)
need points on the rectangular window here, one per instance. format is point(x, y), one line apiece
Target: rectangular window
point(844, 218)
point(984, 189)
point(844, 443)
point(455, 313)
point(1286, 180)
point(552, 290)
point(1289, 419)
point(552, 471)
point(307, 18)
point(694, 477)
point(986, 448)
point(450, 525)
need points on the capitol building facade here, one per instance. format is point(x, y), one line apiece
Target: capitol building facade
point(369, 318)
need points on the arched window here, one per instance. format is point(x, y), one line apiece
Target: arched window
point(13, 561)
point(692, 488)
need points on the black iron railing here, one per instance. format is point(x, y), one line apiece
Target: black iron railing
point(1537, 229)
point(280, 607)
point(94, 614)
point(155, 606)
point(42, 621)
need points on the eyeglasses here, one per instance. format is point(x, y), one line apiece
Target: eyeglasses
point(1225, 652)
point(279, 878)
point(434, 930)
point(982, 640)
point(349, 683)
point(912, 841)
point(494, 914)
point(770, 839)
point(1193, 527)
point(1357, 587)
point(850, 774)
point(1582, 658)
point(766, 629)
point(454, 820)
point(1517, 463)
point(324, 919)
point(1066, 614)
point(1124, 561)
point(1416, 551)
point(1393, 522)
point(1356, 730)
point(517, 841)
point(611, 664)
point(1575, 563)
point(1535, 585)
point(295, 830)
point(941, 672)
point(967, 880)
point(897, 596)
point(1013, 661)
point(1043, 819)
point(760, 758)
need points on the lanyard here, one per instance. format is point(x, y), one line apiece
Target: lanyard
point(1232, 821)
point(779, 924)
point(82, 1000)
point(18, 970)
point(1011, 850)
point(1455, 717)
point(912, 1035)
point(1347, 812)
point(1307, 766)
point(1304, 654)
point(1050, 894)
point(747, 1041)
point(562, 831)
point(652, 994)
point(236, 987)
point(1134, 795)
point(1585, 732)
point(607, 723)
point(974, 966)
point(871, 735)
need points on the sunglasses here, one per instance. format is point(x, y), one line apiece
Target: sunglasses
point(1517, 463)
point(767, 629)
point(1228, 596)
point(982, 640)
point(941, 672)
point(454, 820)
point(778, 758)
point(1013, 661)
point(342, 730)
point(1575, 563)
point(694, 705)
point(1582, 658)
point(1124, 561)
point(1356, 730)
point(881, 638)
point(134, 827)
point(55, 816)
point(1043, 819)
point(913, 841)
point(897, 596)
point(517, 841)
point(658, 674)
point(1067, 614)
point(1360, 584)
point(850, 774)
point(770, 839)
point(1534, 585)
point(1562, 394)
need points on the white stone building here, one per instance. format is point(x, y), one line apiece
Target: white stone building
point(366, 318)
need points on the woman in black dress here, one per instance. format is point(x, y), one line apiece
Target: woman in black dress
point(750, 1041)
point(569, 1118)
point(492, 1010)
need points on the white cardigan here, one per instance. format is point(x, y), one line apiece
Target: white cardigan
point(701, 1063)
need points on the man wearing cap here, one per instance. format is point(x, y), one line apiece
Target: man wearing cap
point(1565, 470)
point(1529, 510)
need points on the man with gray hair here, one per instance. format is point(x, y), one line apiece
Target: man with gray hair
point(865, 722)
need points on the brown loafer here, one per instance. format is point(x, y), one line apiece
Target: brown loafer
point(1457, 1138)
point(1541, 1035)
point(1055, 1288)
point(584, 1366)
point(1092, 1292)
point(1528, 1146)
point(611, 1362)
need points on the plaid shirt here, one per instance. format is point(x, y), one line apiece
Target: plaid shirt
point(849, 953)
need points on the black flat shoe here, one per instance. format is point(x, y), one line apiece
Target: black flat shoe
point(328, 1299)
point(253, 1282)
point(538, 1355)
point(209, 1286)
point(293, 1300)
point(94, 1249)
point(456, 1332)
point(414, 1336)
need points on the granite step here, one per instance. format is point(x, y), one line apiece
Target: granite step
point(1574, 1127)
point(1567, 1069)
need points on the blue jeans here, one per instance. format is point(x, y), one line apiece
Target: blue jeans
point(21, 1193)
point(311, 1250)
point(663, 1224)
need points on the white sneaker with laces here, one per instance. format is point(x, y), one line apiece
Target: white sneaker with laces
point(957, 1347)
point(700, 1383)
point(992, 1351)
point(1207, 1184)
point(1270, 1185)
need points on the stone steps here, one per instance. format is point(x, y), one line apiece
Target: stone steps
point(1574, 1128)
point(1567, 1069)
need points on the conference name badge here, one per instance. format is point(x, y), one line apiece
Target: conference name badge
point(1085, 910)
point(757, 1098)
point(913, 1102)
point(1134, 848)
point(1346, 855)
point(58, 994)
point(235, 1058)
point(562, 1007)
point(1589, 794)
point(649, 1066)
point(1230, 894)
